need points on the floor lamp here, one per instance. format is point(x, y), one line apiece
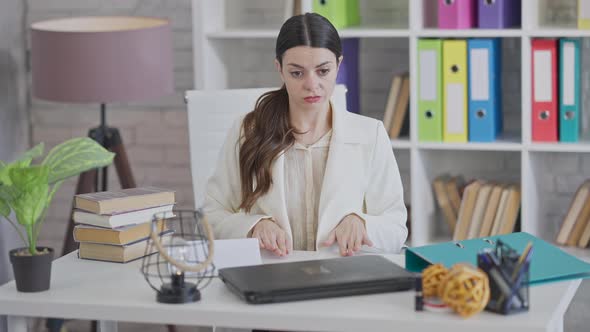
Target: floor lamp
point(101, 60)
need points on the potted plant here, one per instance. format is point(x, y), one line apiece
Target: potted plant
point(26, 190)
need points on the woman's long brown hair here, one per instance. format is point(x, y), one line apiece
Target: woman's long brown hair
point(266, 131)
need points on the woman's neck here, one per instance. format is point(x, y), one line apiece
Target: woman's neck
point(312, 123)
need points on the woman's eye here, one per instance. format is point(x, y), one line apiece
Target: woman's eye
point(296, 74)
point(323, 72)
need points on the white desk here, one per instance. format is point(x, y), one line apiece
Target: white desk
point(109, 292)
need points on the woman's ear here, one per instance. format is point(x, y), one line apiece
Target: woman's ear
point(340, 60)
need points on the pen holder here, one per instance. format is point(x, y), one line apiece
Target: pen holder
point(508, 273)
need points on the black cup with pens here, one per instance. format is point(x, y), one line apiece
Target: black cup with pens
point(508, 273)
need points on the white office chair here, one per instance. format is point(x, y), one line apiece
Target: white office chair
point(210, 115)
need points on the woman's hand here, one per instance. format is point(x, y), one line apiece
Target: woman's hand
point(350, 234)
point(272, 238)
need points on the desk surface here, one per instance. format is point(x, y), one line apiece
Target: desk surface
point(83, 289)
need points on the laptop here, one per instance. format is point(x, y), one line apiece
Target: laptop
point(295, 281)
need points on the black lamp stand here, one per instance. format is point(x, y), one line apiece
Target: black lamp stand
point(91, 181)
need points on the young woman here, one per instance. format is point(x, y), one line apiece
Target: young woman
point(297, 172)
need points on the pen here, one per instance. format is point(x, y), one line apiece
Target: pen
point(516, 274)
point(504, 287)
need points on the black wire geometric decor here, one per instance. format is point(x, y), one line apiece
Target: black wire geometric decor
point(182, 259)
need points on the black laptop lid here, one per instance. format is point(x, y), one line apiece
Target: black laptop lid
point(325, 273)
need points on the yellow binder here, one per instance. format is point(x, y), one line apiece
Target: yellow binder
point(583, 14)
point(455, 90)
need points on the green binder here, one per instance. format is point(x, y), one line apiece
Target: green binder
point(341, 13)
point(430, 93)
point(548, 262)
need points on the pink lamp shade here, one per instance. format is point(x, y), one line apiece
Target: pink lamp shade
point(101, 59)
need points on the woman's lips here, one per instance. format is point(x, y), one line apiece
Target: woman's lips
point(313, 99)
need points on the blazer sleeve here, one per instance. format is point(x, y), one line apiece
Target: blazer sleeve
point(385, 213)
point(223, 193)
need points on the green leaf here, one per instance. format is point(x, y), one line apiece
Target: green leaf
point(33, 153)
point(34, 191)
point(75, 156)
point(4, 208)
point(5, 172)
point(4, 179)
point(9, 193)
point(52, 192)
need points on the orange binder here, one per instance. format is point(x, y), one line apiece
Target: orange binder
point(545, 110)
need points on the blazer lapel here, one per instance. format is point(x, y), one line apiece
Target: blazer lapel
point(274, 202)
point(342, 188)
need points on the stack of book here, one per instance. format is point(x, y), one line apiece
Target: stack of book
point(478, 208)
point(114, 226)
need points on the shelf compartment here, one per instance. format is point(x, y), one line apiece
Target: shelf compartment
point(498, 166)
point(552, 179)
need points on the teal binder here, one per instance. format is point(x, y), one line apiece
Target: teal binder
point(548, 262)
point(569, 90)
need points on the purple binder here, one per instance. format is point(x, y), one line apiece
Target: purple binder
point(498, 14)
point(349, 73)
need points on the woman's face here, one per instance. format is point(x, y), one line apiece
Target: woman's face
point(309, 75)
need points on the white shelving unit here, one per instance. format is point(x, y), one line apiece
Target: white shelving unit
point(218, 40)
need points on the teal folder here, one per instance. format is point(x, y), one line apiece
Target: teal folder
point(548, 262)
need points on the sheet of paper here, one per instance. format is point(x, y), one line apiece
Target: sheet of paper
point(227, 253)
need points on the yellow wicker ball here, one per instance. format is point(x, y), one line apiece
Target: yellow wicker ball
point(465, 289)
point(431, 278)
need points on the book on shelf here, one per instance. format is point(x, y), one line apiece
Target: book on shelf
point(442, 198)
point(585, 236)
point(118, 253)
point(466, 210)
point(401, 109)
point(392, 97)
point(491, 210)
point(579, 226)
point(497, 223)
point(511, 210)
point(118, 236)
point(113, 202)
point(122, 219)
point(479, 210)
point(455, 188)
point(580, 197)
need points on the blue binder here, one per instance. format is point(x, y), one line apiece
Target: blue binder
point(548, 263)
point(569, 90)
point(485, 98)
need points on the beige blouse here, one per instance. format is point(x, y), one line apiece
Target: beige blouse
point(304, 175)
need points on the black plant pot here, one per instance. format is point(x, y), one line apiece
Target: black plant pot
point(32, 273)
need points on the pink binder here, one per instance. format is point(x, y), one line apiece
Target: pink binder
point(457, 14)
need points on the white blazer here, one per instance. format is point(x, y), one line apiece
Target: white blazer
point(361, 177)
